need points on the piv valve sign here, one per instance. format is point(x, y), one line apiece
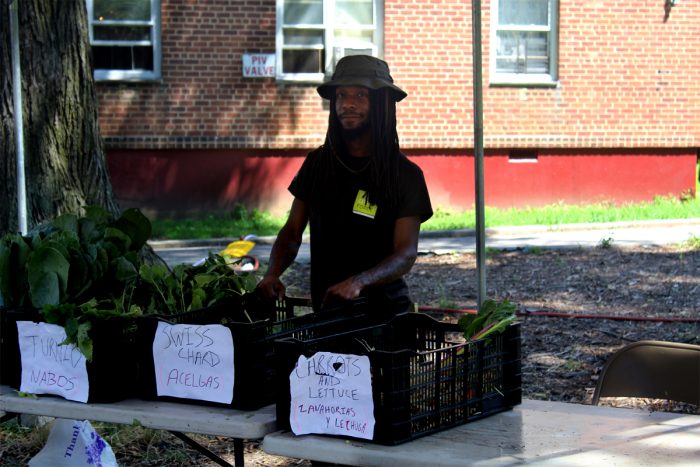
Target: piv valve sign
point(259, 65)
point(331, 394)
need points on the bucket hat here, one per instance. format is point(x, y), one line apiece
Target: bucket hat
point(361, 70)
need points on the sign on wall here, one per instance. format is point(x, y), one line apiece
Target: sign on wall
point(259, 65)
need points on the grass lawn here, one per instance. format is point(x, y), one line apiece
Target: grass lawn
point(241, 222)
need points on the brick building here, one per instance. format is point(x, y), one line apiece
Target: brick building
point(204, 105)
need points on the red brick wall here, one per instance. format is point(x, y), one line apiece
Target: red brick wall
point(203, 96)
point(626, 78)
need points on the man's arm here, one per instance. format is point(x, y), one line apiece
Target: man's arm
point(284, 250)
point(406, 230)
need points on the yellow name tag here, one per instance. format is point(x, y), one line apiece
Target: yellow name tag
point(363, 207)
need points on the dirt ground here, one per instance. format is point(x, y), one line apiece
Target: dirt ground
point(609, 296)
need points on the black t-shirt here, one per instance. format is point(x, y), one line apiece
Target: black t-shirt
point(349, 236)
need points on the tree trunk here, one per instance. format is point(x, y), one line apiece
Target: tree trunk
point(66, 168)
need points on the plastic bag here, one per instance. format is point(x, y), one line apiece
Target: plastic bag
point(74, 443)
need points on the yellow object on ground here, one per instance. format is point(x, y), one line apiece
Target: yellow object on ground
point(238, 248)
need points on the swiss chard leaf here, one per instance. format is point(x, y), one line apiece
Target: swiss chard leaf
point(492, 317)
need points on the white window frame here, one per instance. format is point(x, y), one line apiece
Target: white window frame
point(334, 50)
point(155, 43)
point(526, 79)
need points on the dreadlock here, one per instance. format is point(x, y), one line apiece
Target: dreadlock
point(384, 161)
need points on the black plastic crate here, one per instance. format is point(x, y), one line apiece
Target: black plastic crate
point(112, 373)
point(10, 362)
point(423, 379)
point(254, 359)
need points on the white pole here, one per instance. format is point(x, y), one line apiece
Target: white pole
point(19, 123)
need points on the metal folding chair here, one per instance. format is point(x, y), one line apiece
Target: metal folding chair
point(652, 369)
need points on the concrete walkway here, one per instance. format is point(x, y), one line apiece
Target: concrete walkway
point(647, 233)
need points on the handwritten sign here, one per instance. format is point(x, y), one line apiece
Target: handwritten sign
point(332, 394)
point(47, 366)
point(258, 65)
point(194, 362)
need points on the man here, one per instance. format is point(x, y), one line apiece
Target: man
point(364, 199)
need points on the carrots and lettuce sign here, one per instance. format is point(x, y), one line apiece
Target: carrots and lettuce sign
point(194, 362)
point(332, 394)
point(48, 366)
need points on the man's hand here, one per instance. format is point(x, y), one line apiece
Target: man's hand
point(347, 290)
point(271, 287)
point(391, 268)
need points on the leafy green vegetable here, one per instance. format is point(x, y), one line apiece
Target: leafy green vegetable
point(72, 259)
point(493, 317)
point(188, 288)
point(79, 270)
point(136, 226)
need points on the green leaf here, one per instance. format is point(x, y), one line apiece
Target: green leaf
point(489, 313)
point(134, 310)
point(68, 240)
point(204, 279)
point(199, 297)
point(79, 273)
point(136, 226)
point(476, 324)
point(56, 245)
point(249, 282)
point(84, 341)
point(497, 328)
point(98, 214)
point(66, 222)
point(123, 269)
point(119, 239)
point(58, 314)
point(71, 328)
point(102, 261)
point(89, 231)
point(44, 289)
point(47, 273)
point(153, 274)
point(179, 272)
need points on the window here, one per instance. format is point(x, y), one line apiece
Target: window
point(125, 39)
point(312, 35)
point(524, 38)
